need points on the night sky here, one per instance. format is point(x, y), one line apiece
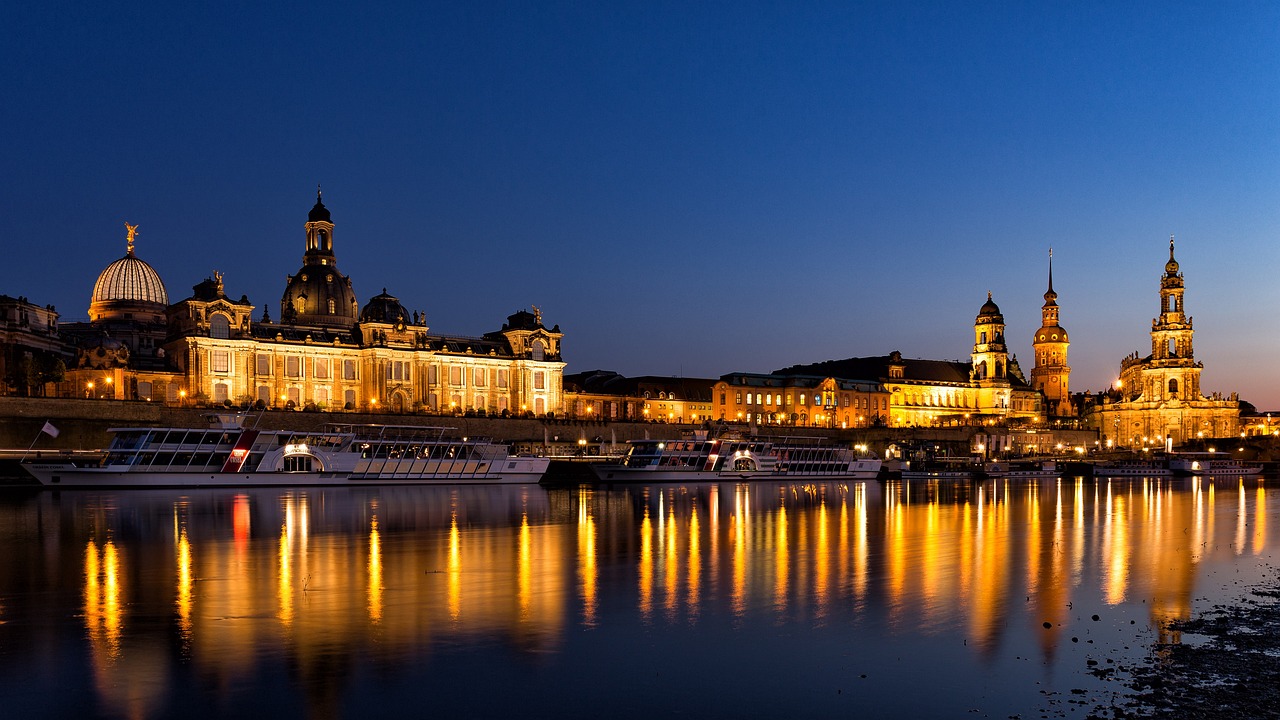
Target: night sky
point(685, 188)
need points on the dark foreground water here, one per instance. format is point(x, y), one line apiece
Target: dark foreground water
point(729, 600)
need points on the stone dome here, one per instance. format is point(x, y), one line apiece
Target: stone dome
point(130, 279)
point(989, 309)
point(384, 308)
point(319, 295)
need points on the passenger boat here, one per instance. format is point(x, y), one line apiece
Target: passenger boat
point(1210, 464)
point(703, 459)
point(1132, 468)
point(1021, 468)
point(225, 453)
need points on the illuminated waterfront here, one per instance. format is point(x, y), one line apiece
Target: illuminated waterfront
point(710, 600)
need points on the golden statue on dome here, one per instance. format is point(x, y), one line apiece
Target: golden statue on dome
point(132, 230)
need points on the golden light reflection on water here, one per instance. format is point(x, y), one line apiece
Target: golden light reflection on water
point(588, 573)
point(375, 571)
point(102, 603)
point(923, 559)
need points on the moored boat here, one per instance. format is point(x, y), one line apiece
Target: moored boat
point(1210, 464)
point(703, 459)
point(1021, 468)
point(225, 453)
point(1151, 467)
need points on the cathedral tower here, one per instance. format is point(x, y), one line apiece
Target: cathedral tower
point(1171, 342)
point(1051, 374)
point(990, 356)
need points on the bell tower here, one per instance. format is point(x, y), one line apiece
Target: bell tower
point(990, 355)
point(1051, 374)
point(1171, 340)
point(319, 235)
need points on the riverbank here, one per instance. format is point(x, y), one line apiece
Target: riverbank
point(1226, 665)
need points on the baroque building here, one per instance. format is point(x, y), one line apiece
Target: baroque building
point(989, 388)
point(1157, 400)
point(1051, 375)
point(324, 352)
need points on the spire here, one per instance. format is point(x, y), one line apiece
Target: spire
point(1170, 246)
point(1050, 295)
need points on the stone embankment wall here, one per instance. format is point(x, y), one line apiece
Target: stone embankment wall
point(83, 425)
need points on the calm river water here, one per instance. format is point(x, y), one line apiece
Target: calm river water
point(729, 600)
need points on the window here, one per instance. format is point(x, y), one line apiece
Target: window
point(264, 394)
point(219, 392)
point(480, 402)
point(768, 399)
point(539, 406)
point(722, 398)
point(758, 396)
point(171, 393)
point(502, 379)
point(538, 350)
point(144, 391)
point(322, 368)
point(221, 361)
point(481, 376)
point(1173, 387)
point(263, 363)
point(349, 398)
point(502, 404)
point(348, 369)
point(748, 398)
point(455, 375)
point(322, 396)
point(983, 337)
point(219, 326)
point(332, 306)
point(737, 397)
point(539, 381)
point(292, 366)
point(294, 395)
point(433, 374)
point(801, 398)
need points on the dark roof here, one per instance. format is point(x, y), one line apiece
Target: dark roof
point(607, 382)
point(319, 212)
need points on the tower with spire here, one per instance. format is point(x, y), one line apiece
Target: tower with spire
point(1051, 375)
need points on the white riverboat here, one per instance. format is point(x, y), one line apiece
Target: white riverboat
point(1210, 464)
point(702, 459)
point(225, 453)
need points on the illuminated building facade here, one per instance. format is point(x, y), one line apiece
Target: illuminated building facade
point(805, 400)
point(325, 352)
point(1157, 398)
point(606, 395)
point(990, 388)
point(1051, 375)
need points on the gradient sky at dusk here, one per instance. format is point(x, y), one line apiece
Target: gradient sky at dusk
point(685, 188)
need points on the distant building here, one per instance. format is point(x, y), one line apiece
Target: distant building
point(988, 388)
point(786, 398)
point(606, 395)
point(32, 353)
point(1157, 398)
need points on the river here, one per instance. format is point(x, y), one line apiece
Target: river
point(984, 599)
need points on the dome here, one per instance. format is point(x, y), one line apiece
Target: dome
point(989, 309)
point(384, 308)
point(319, 295)
point(130, 279)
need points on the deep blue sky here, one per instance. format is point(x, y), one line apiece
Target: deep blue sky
point(685, 188)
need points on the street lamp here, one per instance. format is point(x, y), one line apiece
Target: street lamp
point(110, 394)
point(182, 398)
point(88, 389)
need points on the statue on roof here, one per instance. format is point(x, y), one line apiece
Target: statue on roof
point(131, 230)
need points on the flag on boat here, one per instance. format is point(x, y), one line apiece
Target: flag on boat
point(49, 429)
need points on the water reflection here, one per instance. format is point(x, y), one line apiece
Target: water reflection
point(318, 579)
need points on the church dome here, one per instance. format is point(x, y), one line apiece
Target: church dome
point(384, 308)
point(130, 279)
point(989, 309)
point(319, 295)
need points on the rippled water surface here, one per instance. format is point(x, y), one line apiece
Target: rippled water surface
point(728, 600)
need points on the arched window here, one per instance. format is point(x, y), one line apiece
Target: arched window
point(1173, 387)
point(219, 326)
point(333, 306)
point(539, 350)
